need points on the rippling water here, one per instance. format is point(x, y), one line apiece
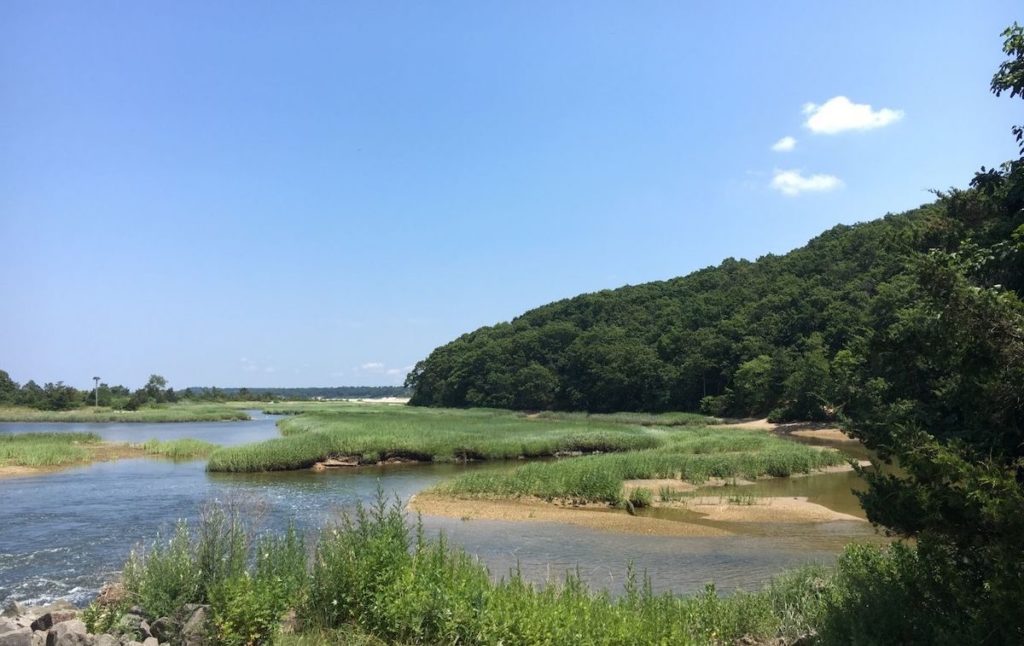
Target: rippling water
point(64, 534)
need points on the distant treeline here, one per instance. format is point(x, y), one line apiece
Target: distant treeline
point(327, 392)
point(60, 396)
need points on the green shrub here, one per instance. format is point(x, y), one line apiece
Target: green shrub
point(641, 497)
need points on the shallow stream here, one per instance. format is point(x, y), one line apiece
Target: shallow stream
point(63, 534)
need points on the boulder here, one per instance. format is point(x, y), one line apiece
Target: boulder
point(8, 626)
point(19, 637)
point(50, 619)
point(106, 640)
point(196, 628)
point(69, 633)
point(13, 609)
point(164, 629)
point(151, 641)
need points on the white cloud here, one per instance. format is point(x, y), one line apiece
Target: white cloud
point(398, 372)
point(793, 182)
point(372, 365)
point(784, 145)
point(839, 114)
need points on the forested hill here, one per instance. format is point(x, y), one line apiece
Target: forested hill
point(745, 338)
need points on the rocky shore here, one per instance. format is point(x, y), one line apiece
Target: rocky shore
point(62, 624)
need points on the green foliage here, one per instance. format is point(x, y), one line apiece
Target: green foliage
point(248, 583)
point(906, 595)
point(180, 449)
point(641, 497)
point(45, 449)
point(691, 455)
point(735, 333)
point(374, 573)
point(165, 577)
point(376, 433)
point(1010, 75)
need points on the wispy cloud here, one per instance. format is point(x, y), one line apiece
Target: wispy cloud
point(794, 182)
point(839, 114)
point(380, 368)
point(784, 145)
point(398, 372)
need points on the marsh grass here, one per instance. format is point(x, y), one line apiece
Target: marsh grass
point(643, 419)
point(180, 412)
point(691, 455)
point(46, 449)
point(181, 449)
point(374, 433)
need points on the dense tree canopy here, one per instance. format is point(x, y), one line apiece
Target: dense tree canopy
point(740, 338)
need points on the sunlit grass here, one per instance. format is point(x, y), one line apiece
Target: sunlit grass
point(181, 449)
point(375, 579)
point(690, 455)
point(375, 433)
point(45, 449)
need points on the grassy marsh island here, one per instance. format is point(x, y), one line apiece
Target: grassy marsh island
point(30, 453)
point(368, 434)
point(692, 455)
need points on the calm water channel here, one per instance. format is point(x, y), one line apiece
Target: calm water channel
point(64, 534)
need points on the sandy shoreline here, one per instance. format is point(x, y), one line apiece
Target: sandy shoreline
point(733, 507)
point(799, 429)
point(536, 510)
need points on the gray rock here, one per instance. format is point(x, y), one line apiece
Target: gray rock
point(151, 641)
point(8, 626)
point(144, 629)
point(20, 637)
point(106, 640)
point(164, 629)
point(195, 630)
point(69, 633)
point(13, 609)
point(39, 638)
point(51, 619)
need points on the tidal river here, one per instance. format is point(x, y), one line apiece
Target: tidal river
point(63, 534)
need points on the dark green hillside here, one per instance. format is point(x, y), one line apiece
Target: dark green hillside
point(740, 338)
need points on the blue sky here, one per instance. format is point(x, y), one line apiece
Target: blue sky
point(288, 194)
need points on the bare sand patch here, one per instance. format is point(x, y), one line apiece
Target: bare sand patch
point(813, 430)
point(754, 425)
point(537, 510)
point(830, 434)
point(20, 472)
point(764, 510)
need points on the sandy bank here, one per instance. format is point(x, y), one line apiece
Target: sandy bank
point(763, 510)
point(800, 429)
point(536, 510)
